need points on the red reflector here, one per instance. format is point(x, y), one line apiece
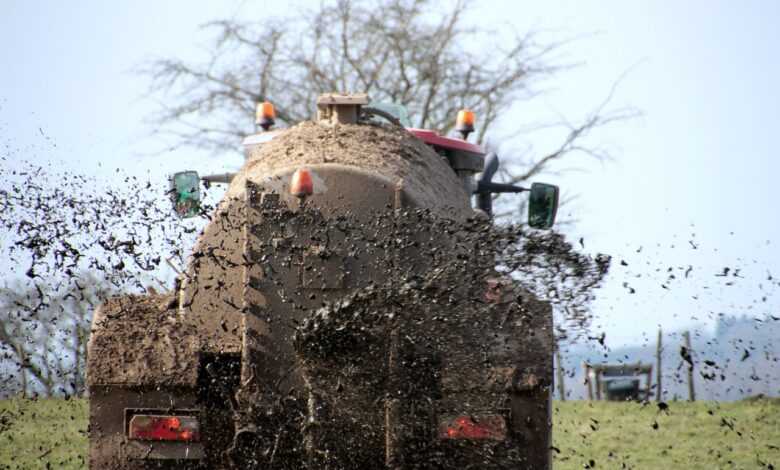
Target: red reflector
point(492, 427)
point(301, 184)
point(164, 428)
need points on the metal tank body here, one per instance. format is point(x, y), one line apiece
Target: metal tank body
point(252, 346)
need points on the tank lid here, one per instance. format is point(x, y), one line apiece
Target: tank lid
point(354, 99)
point(338, 108)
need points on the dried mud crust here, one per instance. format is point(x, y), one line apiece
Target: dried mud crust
point(447, 342)
point(386, 362)
point(389, 151)
point(139, 340)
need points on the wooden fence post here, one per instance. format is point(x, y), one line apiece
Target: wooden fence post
point(586, 368)
point(597, 374)
point(659, 391)
point(691, 391)
point(560, 373)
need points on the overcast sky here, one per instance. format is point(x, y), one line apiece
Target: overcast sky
point(690, 184)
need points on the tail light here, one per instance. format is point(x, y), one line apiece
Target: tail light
point(164, 428)
point(485, 427)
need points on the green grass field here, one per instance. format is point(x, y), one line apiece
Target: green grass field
point(704, 435)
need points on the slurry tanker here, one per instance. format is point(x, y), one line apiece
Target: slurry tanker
point(342, 309)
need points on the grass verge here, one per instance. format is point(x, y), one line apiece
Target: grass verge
point(51, 433)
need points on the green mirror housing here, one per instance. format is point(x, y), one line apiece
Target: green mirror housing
point(542, 205)
point(185, 193)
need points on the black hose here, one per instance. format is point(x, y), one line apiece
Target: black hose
point(369, 111)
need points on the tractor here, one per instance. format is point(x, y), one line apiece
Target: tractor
point(340, 310)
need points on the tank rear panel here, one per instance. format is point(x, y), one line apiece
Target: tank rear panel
point(356, 168)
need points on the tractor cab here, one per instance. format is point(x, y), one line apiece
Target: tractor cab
point(619, 382)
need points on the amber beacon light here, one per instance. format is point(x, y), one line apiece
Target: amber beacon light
point(266, 115)
point(465, 123)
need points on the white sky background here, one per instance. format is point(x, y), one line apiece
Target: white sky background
point(698, 165)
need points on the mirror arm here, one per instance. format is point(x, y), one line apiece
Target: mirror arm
point(485, 203)
point(485, 187)
point(219, 178)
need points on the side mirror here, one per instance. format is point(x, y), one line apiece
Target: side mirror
point(542, 205)
point(185, 193)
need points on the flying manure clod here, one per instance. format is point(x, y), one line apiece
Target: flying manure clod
point(342, 309)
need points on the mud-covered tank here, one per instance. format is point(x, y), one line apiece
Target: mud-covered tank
point(341, 310)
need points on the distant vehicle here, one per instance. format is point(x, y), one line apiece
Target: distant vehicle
point(619, 382)
point(209, 376)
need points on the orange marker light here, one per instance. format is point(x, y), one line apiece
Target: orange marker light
point(266, 115)
point(301, 184)
point(465, 118)
point(465, 122)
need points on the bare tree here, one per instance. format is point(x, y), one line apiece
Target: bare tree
point(25, 340)
point(422, 54)
point(43, 334)
point(418, 53)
